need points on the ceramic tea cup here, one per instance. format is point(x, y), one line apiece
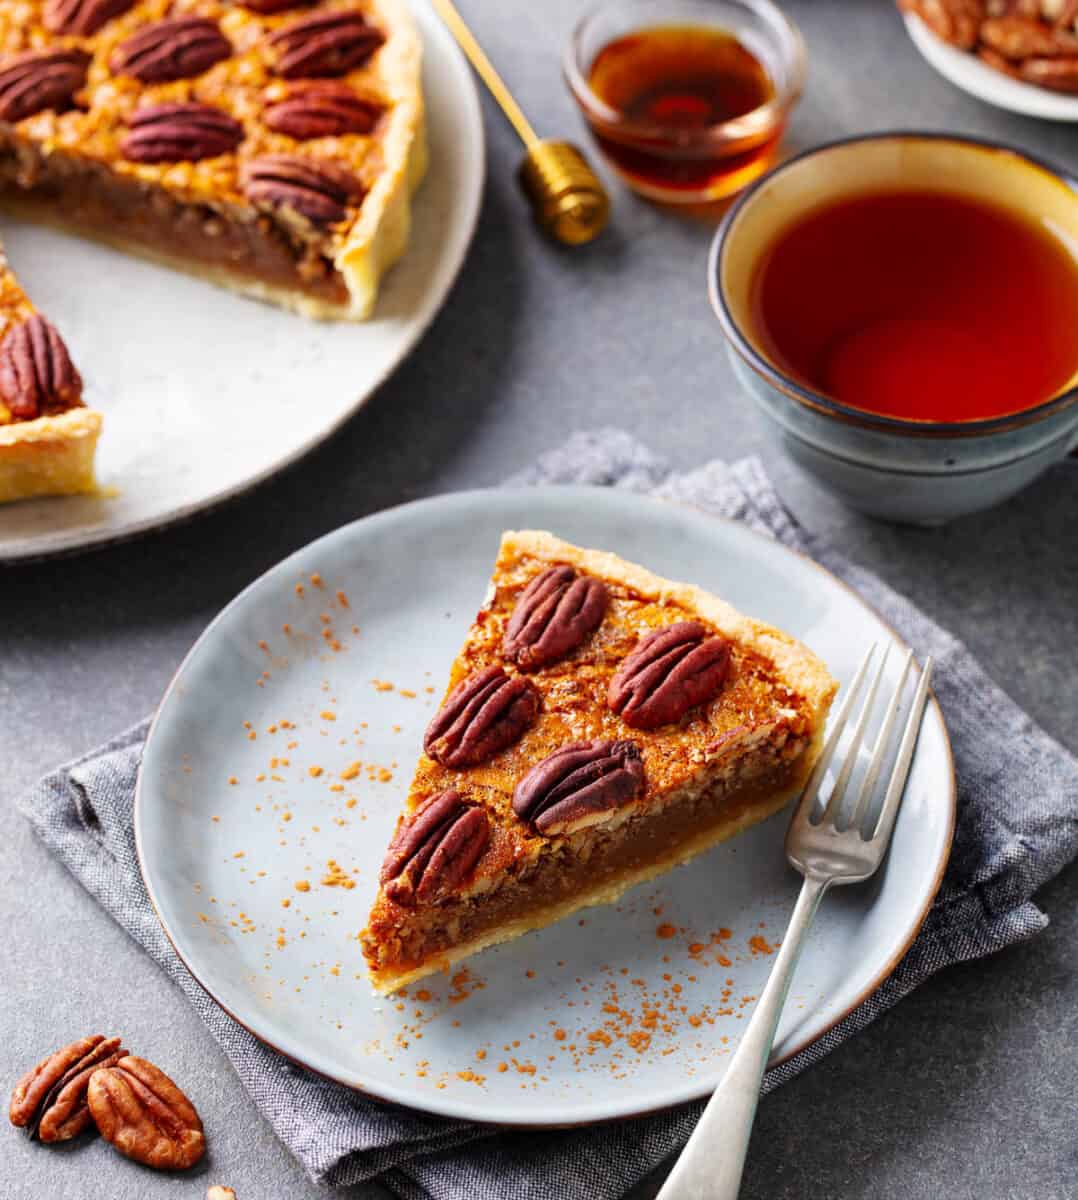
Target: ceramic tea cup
point(914, 471)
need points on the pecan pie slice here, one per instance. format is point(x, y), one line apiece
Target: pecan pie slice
point(271, 146)
point(601, 726)
point(47, 435)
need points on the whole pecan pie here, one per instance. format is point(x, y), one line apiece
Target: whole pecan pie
point(601, 726)
point(269, 145)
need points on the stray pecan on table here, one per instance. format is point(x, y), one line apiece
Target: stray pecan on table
point(49, 1102)
point(553, 615)
point(582, 784)
point(482, 715)
point(141, 1112)
point(434, 849)
point(669, 672)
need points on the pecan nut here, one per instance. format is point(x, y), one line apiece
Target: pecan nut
point(1058, 74)
point(554, 614)
point(321, 109)
point(579, 785)
point(954, 21)
point(49, 1102)
point(81, 18)
point(317, 190)
point(667, 673)
point(40, 79)
point(482, 715)
point(37, 375)
point(325, 44)
point(141, 1112)
point(178, 48)
point(435, 849)
point(185, 132)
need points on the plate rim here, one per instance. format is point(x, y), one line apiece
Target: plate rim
point(1042, 104)
point(449, 1109)
point(68, 543)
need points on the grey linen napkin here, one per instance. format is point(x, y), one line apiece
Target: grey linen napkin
point(1017, 827)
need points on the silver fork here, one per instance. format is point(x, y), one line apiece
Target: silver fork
point(827, 847)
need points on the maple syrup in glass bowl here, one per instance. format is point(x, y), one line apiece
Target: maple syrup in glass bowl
point(687, 99)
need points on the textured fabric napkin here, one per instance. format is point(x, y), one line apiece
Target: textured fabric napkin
point(1017, 827)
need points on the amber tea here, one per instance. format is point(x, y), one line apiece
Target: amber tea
point(921, 305)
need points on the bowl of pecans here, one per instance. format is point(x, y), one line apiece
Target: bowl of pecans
point(1021, 55)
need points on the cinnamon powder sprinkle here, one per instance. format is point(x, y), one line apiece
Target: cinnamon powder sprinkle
point(382, 685)
point(327, 715)
point(342, 599)
point(316, 580)
point(760, 945)
point(666, 931)
point(302, 885)
point(314, 772)
point(352, 770)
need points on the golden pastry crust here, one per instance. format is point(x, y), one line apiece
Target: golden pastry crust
point(727, 764)
point(49, 456)
point(389, 161)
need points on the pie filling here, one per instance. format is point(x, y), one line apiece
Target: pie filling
point(89, 198)
point(590, 866)
point(601, 726)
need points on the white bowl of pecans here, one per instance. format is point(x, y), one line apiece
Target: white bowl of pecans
point(1021, 55)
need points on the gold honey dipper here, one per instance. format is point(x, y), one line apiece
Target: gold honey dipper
point(566, 196)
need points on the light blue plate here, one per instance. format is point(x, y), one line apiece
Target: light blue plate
point(625, 1010)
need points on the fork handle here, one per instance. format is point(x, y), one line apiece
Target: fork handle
point(710, 1166)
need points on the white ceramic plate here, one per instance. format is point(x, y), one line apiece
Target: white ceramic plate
point(966, 71)
point(206, 393)
point(628, 1008)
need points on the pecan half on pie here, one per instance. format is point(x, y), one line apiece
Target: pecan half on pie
point(47, 434)
point(269, 145)
point(601, 726)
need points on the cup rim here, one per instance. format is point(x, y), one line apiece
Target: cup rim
point(819, 402)
point(792, 48)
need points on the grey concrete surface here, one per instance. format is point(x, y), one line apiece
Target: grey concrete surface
point(968, 1088)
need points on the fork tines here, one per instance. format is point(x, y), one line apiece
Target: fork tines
point(809, 811)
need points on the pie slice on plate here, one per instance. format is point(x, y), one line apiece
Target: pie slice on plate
point(601, 726)
point(47, 435)
point(269, 145)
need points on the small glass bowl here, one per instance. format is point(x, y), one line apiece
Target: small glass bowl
point(690, 166)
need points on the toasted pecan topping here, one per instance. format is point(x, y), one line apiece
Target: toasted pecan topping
point(40, 79)
point(434, 849)
point(37, 376)
point(317, 190)
point(81, 18)
point(185, 132)
point(481, 716)
point(178, 48)
point(554, 614)
point(579, 785)
point(669, 672)
point(321, 108)
point(324, 44)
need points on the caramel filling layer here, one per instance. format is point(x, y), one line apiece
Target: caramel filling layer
point(87, 197)
point(588, 861)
